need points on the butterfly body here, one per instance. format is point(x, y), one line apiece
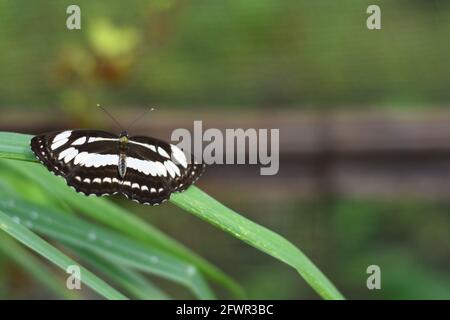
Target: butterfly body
point(144, 169)
point(123, 148)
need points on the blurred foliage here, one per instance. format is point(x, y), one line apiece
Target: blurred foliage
point(408, 239)
point(224, 53)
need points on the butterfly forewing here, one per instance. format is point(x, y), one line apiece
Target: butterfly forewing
point(65, 150)
point(89, 161)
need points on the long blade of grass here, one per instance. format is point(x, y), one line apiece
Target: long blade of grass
point(120, 219)
point(15, 146)
point(137, 285)
point(32, 265)
point(202, 205)
point(16, 183)
point(31, 240)
point(107, 244)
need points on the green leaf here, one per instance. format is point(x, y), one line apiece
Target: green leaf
point(202, 205)
point(107, 244)
point(49, 252)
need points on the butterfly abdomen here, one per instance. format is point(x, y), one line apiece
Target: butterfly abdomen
point(122, 165)
point(123, 148)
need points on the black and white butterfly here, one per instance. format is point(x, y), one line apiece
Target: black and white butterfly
point(144, 169)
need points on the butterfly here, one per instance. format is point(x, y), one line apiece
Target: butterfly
point(144, 169)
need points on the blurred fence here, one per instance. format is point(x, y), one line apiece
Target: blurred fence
point(357, 154)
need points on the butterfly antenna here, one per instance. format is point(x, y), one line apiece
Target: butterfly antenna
point(111, 117)
point(140, 117)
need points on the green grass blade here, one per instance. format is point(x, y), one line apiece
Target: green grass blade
point(200, 204)
point(107, 244)
point(32, 265)
point(137, 285)
point(120, 219)
point(15, 146)
point(16, 183)
point(49, 252)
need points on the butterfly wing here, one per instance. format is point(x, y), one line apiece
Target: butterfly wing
point(86, 159)
point(89, 159)
point(155, 169)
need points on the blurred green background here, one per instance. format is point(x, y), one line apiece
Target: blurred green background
point(362, 116)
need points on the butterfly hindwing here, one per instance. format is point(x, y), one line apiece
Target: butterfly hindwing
point(144, 189)
point(95, 181)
